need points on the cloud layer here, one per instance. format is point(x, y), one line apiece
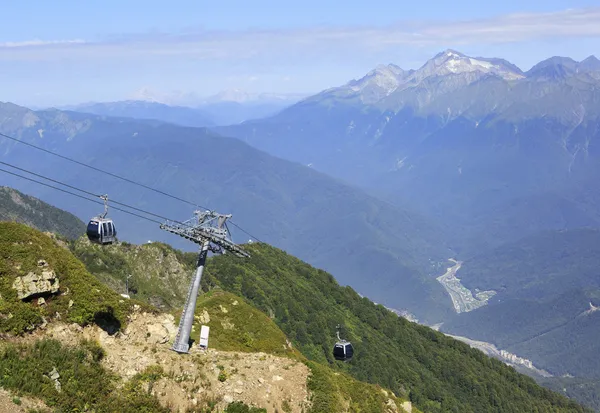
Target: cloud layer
point(332, 42)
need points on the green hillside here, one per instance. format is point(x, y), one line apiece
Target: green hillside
point(436, 372)
point(235, 325)
point(18, 207)
point(158, 272)
point(86, 384)
point(81, 298)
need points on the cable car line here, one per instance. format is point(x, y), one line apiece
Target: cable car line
point(103, 171)
point(244, 231)
point(343, 350)
point(79, 196)
point(121, 178)
point(87, 192)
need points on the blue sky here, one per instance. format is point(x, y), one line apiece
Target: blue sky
point(62, 52)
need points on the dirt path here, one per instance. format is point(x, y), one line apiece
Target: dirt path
point(10, 403)
point(198, 378)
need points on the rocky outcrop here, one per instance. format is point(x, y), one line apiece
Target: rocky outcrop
point(34, 284)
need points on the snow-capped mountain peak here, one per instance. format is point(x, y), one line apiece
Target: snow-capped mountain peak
point(386, 78)
point(453, 62)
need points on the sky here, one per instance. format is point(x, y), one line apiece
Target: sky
point(63, 52)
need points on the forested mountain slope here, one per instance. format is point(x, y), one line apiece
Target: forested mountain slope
point(16, 206)
point(436, 372)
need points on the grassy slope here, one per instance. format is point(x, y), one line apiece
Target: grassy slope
point(85, 382)
point(159, 273)
point(436, 372)
point(23, 367)
point(16, 206)
point(21, 248)
point(235, 325)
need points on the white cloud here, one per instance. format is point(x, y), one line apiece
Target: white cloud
point(279, 45)
point(36, 42)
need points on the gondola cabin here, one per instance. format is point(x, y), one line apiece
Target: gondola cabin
point(101, 231)
point(343, 350)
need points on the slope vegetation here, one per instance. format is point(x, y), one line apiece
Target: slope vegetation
point(235, 325)
point(61, 291)
point(437, 373)
point(91, 349)
point(33, 265)
point(157, 273)
point(16, 206)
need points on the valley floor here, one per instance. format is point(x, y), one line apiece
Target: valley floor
point(462, 298)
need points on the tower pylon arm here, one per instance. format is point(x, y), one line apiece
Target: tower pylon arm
point(209, 230)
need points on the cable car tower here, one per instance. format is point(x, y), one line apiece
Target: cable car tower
point(209, 230)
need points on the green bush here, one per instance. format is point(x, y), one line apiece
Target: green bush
point(239, 407)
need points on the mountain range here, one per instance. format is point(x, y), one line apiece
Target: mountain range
point(381, 180)
point(331, 224)
point(504, 161)
point(470, 142)
point(225, 108)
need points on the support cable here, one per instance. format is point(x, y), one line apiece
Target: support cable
point(118, 177)
point(79, 196)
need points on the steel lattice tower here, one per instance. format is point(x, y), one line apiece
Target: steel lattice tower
point(209, 230)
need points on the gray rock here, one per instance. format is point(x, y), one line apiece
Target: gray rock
point(55, 376)
point(34, 284)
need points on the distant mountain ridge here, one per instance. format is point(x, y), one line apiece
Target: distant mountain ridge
point(137, 109)
point(466, 140)
point(333, 225)
point(225, 108)
point(497, 157)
